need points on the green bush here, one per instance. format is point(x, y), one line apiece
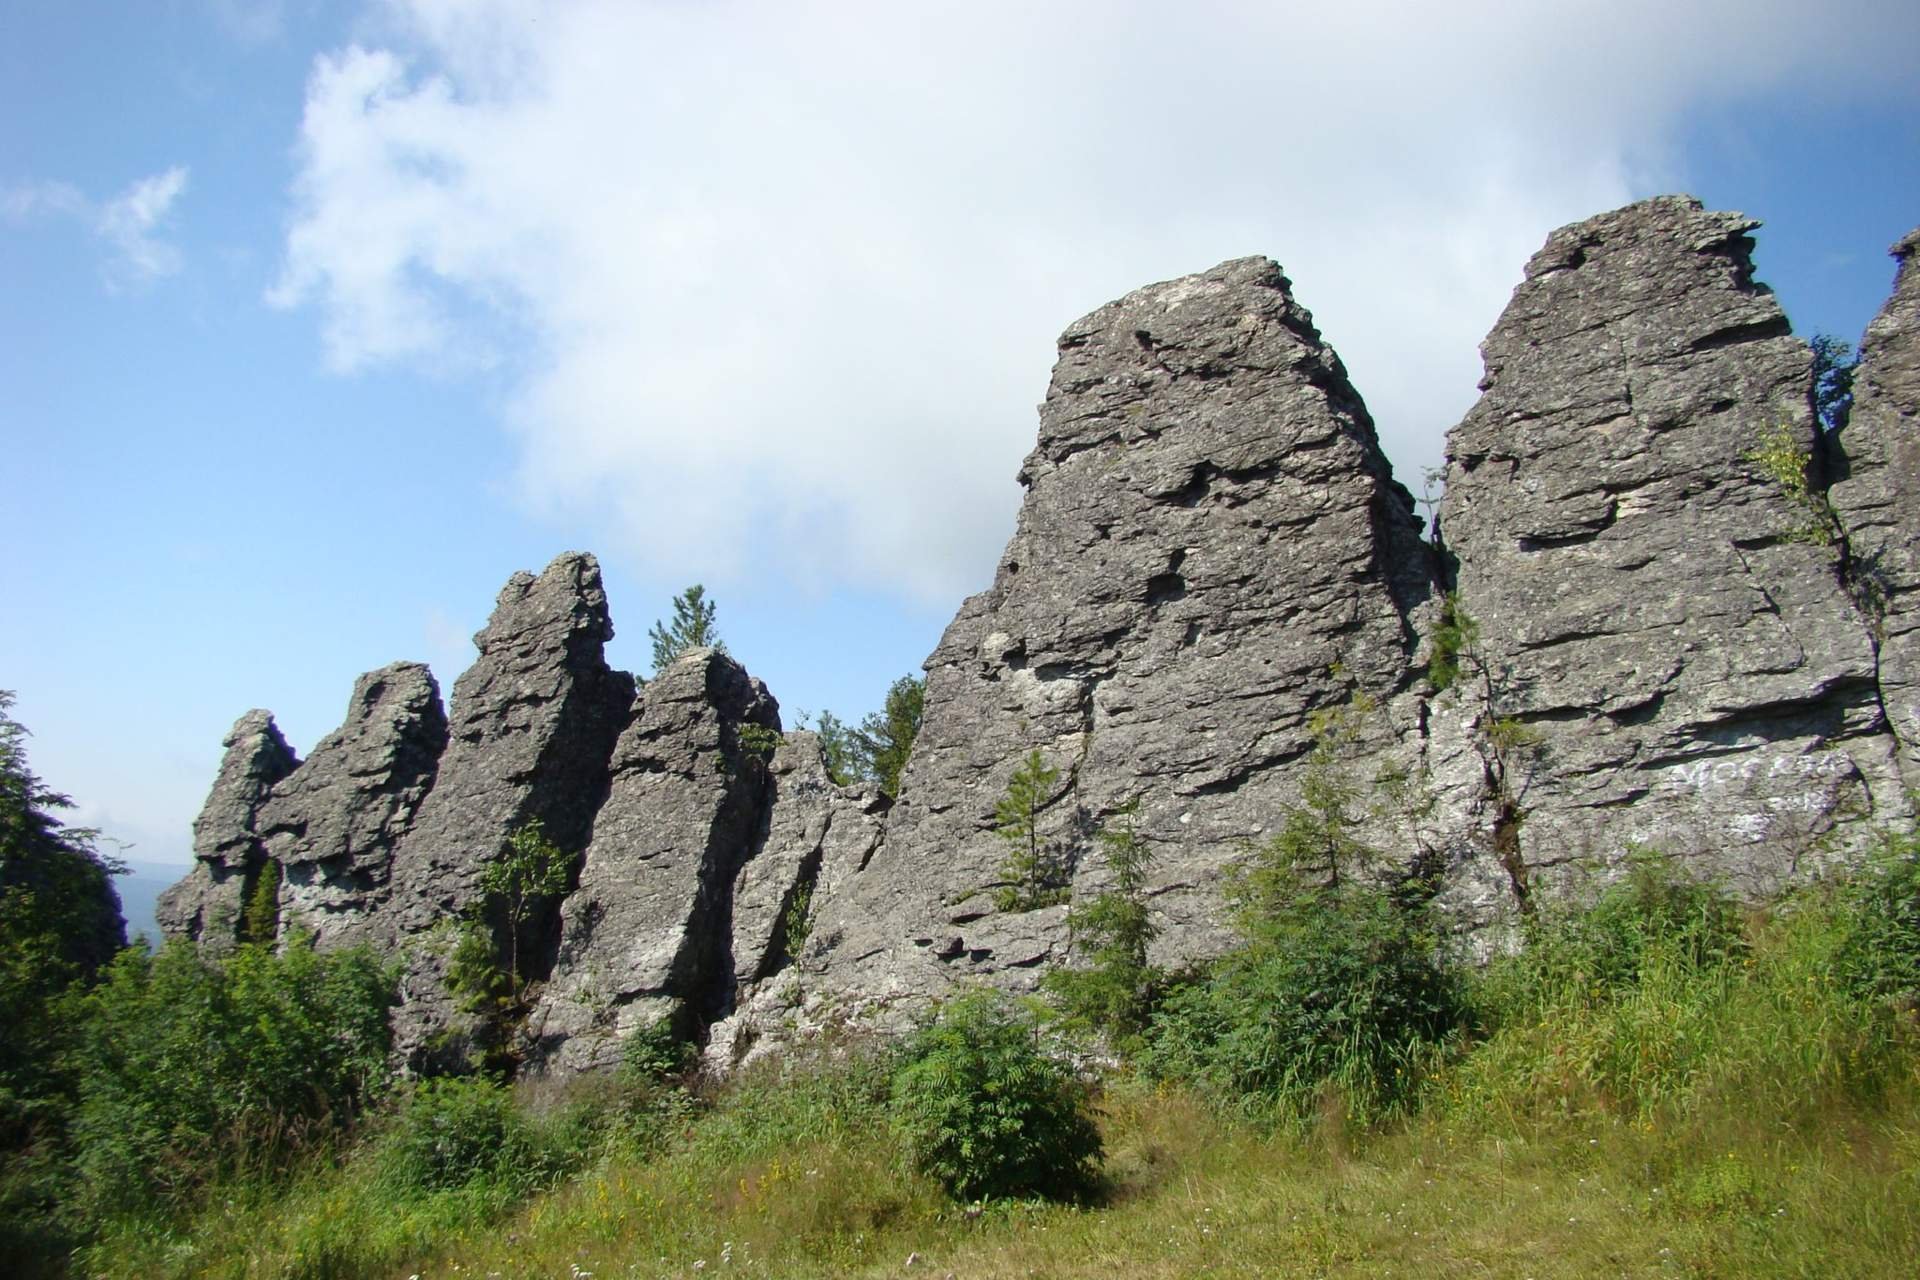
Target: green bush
point(1649, 919)
point(983, 1110)
point(1113, 991)
point(190, 1066)
point(1340, 985)
point(453, 1133)
point(1879, 958)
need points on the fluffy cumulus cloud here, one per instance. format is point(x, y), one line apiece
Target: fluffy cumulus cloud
point(774, 285)
point(128, 224)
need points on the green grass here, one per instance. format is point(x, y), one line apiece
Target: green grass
point(1661, 1087)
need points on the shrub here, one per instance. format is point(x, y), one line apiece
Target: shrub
point(190, 1065)
point(1879, 957)
point(1031, 870)
point(1114, 991)
point(1649, 919)
point(453, 1133)
point(985, 1112)
point(1341, 985)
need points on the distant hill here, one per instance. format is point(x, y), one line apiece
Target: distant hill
point(139, 888)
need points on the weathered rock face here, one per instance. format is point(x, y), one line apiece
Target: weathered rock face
point(1690, 670)
point(229, 855)
point(534, 722)
point(820, 836)
point(1211, 548)
point(332, 823)
point(1875, 497)
point(647, 934)
point(1213, 570)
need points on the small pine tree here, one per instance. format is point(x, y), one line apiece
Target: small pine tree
point(886, 736)
point(1032, 880)
point(1114, 991)
point(692, 628)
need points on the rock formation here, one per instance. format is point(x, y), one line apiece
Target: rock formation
point(647, 935)
point(1664, 633)
point(1211, 548)
point(1874, 496)
point(229, 855)
point(332, 823)
point(1657, 644)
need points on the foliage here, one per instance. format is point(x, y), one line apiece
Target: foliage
point(840, 747)
point(985, 1112)
point(531, 873)
point(796, 920)
point(1113, 992)
point(1340, 985)
point(1664, 998)
point(1032, 875)
point(1319, 834)
point(877, 749)
point(1783, 459)
point(190, 1065)
point(692, 628)
point(1644, 919)
point(1879, 959)
point(474, 976)
point(758, 741)
point(260, 916)
point(1834, 365)
point(453, 1133)
point(1455, 637)
point(653, 1052)
point(886, 736)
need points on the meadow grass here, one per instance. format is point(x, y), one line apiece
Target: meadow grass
point(1722, 1095)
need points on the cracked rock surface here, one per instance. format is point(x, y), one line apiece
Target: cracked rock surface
point(1880, 476)
point(1653, 610)
point(1210, 548)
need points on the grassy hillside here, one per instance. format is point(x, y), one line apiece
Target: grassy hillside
point(1664, 1084)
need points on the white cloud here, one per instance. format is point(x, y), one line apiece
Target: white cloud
point(778, 281)
point(128, 223)
point(252, 22)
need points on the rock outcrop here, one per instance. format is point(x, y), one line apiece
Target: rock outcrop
point(1215, 588)
point(1875, 496)
point(1665, 639)
point(1212, 547)
point(229, 856)
point(647, 935)
point(332, 823)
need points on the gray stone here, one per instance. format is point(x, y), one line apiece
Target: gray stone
point(229, 855)
point(533, 725)
point(1875, 495)
point(1694, 674)
point(647, 935)
point(332, 823)
point(1210, 549)
point(820, 836)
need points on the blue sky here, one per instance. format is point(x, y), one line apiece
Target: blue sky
point(319, 320)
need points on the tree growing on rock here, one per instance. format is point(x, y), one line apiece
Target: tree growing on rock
point(1114, 991)
point(692, 628)
point(1031, 874)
